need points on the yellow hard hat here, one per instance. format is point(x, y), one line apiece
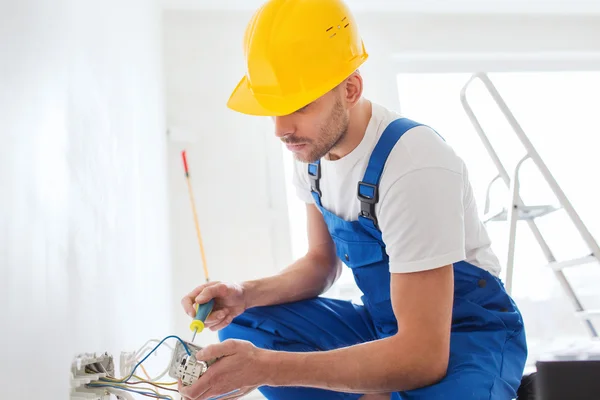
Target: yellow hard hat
point(296, 51)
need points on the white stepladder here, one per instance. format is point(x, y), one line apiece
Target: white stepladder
point(517, 210)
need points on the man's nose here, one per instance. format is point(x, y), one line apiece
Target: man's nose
point(283, 126)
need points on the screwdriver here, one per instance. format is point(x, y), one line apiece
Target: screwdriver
point(202, 312)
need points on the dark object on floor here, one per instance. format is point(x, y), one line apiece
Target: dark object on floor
point(527, 389)
point(572, 380)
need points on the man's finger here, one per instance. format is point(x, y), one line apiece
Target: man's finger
point(200, 288)
point(188, 301)
point(181, 389)
point(219, 316)
point(210, 292)
point(188, 306)
point(226, 321)
point(194, 391)
point(215, 318)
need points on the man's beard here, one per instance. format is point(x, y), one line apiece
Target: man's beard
point(330, 136)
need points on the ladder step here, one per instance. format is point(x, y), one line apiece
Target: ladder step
point(524, 213)
point(560, 265)
point(588, 313)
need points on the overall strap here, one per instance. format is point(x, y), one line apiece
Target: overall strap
point(368, 188)
point(314, 174)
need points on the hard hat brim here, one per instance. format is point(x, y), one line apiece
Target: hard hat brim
point(244, 101)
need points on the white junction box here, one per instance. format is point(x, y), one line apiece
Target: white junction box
point(187, 367)
point(190, 369)
point(89, 367)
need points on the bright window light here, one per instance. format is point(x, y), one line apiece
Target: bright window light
point(559, 113)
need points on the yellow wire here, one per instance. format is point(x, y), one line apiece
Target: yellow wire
point(156, 383)
point(198, 234)
point(125, 386)
point(141, 380)
point(145, 372)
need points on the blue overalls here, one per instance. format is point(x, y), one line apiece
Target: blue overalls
point(487, 346)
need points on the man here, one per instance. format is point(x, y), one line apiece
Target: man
point(390, 199)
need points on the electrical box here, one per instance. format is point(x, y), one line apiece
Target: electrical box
point(90, 367)
point(187, 367)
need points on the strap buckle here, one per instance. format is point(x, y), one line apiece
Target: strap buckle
point(368, 197)
point(314, 173)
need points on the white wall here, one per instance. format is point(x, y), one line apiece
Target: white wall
point(479, 33)
point(84, 247)
point(234, 162)
point(235, 158)
point(455, 7)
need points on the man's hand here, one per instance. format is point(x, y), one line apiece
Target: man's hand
point(229, 299)
point(241, 368)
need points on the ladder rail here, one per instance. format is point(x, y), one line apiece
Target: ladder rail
point(558, 273)
point(556, 189)
point(512, 221)
point(517, 201)
point(486, 209)
point(500, 167)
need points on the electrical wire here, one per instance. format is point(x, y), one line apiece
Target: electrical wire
point(145, 347)
point(121, 387)
point(145, 373)
point(112, 383)
point(121, 394)
point(141, 381)
point(153, 391)
point(153, 350)
point(124, 384)
point(155, 385)
point(162, 374)
point(161, 385)
point(143, 350)
point(224, 395)
point(158, 383)
point(185, 346)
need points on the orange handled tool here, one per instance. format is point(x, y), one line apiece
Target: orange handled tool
point(203, 310)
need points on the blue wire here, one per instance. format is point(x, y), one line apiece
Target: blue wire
point(128, 390)
point(223, 395)
point(153, 350)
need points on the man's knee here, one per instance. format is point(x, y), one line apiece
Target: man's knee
point(249, 327)
point(264, 328)
point(235, 331)
point(226, 333)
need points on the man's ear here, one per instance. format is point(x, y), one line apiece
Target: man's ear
point(352, 89)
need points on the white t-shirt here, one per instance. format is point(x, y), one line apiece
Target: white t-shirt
point(426, 210)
